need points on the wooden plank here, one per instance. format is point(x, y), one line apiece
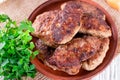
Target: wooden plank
point(112, 72)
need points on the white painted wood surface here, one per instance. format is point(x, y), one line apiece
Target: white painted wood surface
point(1, 1)
point(112, 72)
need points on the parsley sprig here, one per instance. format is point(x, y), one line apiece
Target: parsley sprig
point(16, 49)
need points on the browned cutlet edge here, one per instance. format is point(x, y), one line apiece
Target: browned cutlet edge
point(93, 19)
point(66, 24)
point(94, 26)
point(68, 57)
point(73, 70)
point(42, 26)
point(44, 50)
point(98, 58)
point(85, 7)
point(57, 28)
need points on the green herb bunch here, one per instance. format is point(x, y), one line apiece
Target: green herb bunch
point(16, 49)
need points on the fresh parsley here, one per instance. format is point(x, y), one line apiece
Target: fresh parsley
point(16, 49)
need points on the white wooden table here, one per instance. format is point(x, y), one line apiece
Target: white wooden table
point(112, 72)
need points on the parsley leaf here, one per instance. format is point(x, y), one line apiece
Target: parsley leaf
point(16, 49)
point(4, 18)
point(2, 44)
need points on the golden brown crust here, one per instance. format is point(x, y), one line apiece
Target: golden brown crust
point(74, 52)
point(94, 26)
point(93, 19)
point(73, 70)
point(93, 10)
point(42, 26)
point(90, 22)
point(44, 51)
point(85, 7)
point(65, 26)
point(98, 58)
point(57, 27)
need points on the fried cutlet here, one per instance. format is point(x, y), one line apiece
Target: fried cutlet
point(44, 50)
point(94, 26)
point(98, 58)
point(42, 26)
point(93, 19)
point(68, 57)
point(57, 27)
point(85, 7)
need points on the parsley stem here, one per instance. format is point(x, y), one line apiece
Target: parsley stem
point(19, 54)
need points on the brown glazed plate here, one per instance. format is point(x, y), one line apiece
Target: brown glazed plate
point(59, 75)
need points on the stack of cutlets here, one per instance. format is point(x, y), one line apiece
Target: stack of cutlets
point(57, 44)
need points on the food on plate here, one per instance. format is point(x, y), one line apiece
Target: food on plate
point(94, 26)
point(65, 26)
point(42, 26)
point(85, 7)
point(71, 67)
point(68, 57)
point(44, 50)
point(57, 27)
point(72, 38)
point(97, 59)
point(93, 19)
